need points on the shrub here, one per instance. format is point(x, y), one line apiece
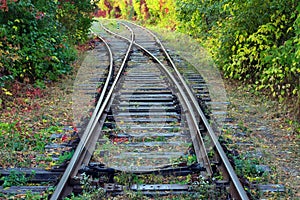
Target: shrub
point(36, 38)
point(76, 17)
point(254, 41)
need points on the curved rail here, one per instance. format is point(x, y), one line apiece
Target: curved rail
point(190, 107)
point(200, 150)
point(99, 110)
point(228, 167)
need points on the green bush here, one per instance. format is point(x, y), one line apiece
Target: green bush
point(36, 38)
point(76, 18)
point(255, 41)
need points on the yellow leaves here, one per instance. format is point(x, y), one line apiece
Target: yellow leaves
point(241, 38)
point(52, 164)
point(53, 153)
point(233, 48)
point(59, 130)
point(253, 179)
point(15, 28)
point(6, 92)
point(290, 29)
point(225, 6)
point(228, 136)
point(54, 58)
point(295, 91)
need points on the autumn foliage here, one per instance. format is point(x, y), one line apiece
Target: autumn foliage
point(37, 38)
point(255, 41)
point(158, 12)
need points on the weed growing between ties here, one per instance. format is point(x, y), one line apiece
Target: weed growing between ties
point(199, 187)
point(90, 191)
point(29, 116)
point(265, 135)
point(28, 119)
point(264, 126)
point(29, 195)
point(15, 178)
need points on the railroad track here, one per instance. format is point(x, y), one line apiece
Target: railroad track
point(148, 133)
point(147, 122)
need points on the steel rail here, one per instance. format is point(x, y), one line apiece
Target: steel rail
point(100, 107)
point(222, 154)
point(187, 104)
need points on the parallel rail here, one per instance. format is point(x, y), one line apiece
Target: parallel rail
point(82, 148)
point(237, 188)
point(193, 112)
point(188, 107)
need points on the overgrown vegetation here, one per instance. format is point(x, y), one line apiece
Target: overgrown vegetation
point(16, 178)
point(37, 47)
point(37, 38)
point(158, 12)
point(28, 118)
point(255, 41)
